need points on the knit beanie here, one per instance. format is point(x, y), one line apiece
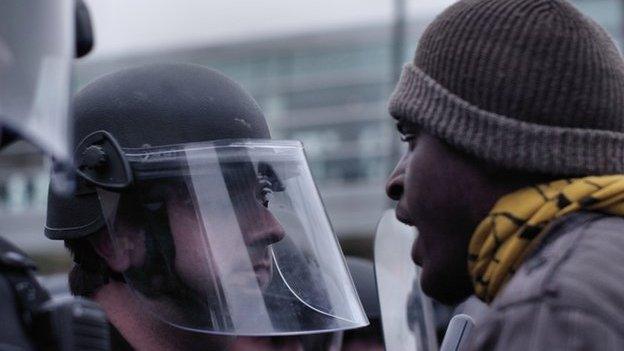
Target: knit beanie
point(529, 85)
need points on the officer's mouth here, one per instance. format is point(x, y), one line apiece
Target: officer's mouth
point(264, 273)
point(259, 276)
point(262, 265)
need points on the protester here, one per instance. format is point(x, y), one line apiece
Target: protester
point(513, 115)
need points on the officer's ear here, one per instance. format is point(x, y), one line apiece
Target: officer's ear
point(119, 253)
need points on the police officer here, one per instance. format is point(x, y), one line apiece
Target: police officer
point(38, 40)
point(189, 225)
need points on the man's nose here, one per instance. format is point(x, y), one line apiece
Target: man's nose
point(394, 185)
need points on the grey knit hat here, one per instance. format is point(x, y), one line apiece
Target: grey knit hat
point(529, 85)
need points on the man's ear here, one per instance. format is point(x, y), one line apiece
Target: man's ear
point(116, 254)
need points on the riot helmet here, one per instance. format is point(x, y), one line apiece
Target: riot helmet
point(221, 227)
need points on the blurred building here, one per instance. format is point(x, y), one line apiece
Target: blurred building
point(327, 88)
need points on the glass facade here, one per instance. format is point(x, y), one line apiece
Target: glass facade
point(331, 98)
point(23, 180)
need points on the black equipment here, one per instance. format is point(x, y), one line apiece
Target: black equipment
point(32, 320)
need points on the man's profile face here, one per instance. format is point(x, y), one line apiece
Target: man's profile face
point(433, 187)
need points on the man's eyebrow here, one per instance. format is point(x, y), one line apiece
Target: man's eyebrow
point(399, 127)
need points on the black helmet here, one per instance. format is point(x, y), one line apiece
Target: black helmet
point(155, 105)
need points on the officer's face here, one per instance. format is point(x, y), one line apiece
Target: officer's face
point(197, 257)
point(433, 186)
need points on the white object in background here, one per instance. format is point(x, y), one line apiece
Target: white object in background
point(406, 313)
point(458, 333)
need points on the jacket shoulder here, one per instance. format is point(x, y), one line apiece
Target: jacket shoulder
point(580, 266)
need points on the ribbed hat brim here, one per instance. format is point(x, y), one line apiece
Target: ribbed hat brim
point(501, 140)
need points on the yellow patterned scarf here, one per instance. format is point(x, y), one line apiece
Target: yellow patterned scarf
point(518, 221)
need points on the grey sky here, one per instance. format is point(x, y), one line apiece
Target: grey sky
point(139, 25)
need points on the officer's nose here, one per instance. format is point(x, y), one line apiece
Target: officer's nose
point(394, 184)
point(264, 229)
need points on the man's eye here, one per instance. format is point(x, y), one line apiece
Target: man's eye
point(408, 137)
point(400, 128)
point(407, 134)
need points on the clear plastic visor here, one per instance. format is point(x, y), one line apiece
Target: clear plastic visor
point(231, 238)
point(406, 312)
point(36, 50)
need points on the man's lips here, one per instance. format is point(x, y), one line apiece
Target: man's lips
point(402, 216)
point(417, 250)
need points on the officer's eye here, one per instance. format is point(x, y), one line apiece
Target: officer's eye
point(265, 191)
